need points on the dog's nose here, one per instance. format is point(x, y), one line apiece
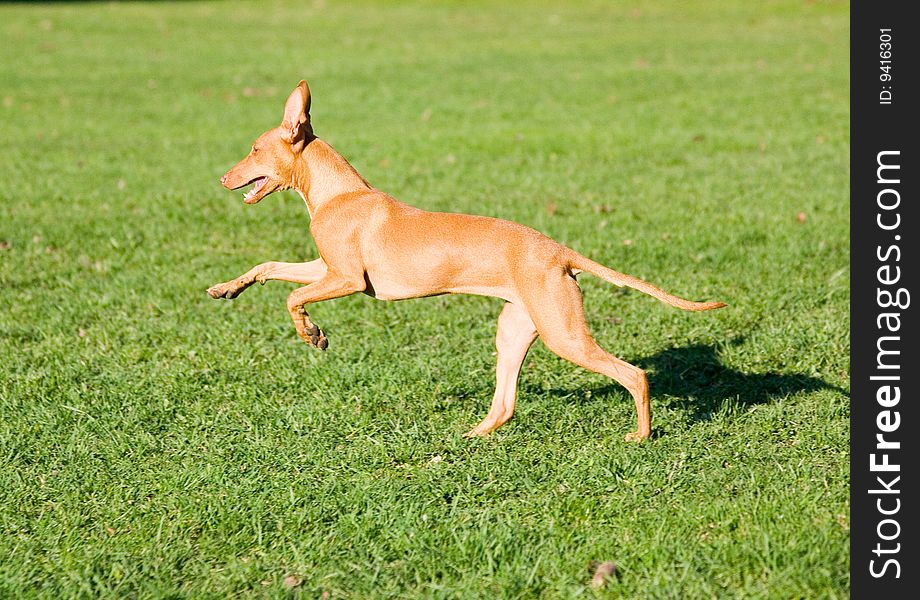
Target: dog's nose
point(223, 179)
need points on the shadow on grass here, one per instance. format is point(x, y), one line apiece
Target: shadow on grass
point(697, 381)
point(700, 383)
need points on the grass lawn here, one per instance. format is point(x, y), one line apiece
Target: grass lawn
point(157, 443)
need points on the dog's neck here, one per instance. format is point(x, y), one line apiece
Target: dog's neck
point(320, 174)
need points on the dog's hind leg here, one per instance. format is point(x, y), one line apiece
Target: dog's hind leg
point(516, 333)
point(555, 305)
point(302, 273)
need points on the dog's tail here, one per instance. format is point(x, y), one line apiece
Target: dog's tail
point(584, 263)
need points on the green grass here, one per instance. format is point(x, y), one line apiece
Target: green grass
point(156, 443)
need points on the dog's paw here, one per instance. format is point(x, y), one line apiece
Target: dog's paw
point(307, 330)
point(492, 422)
point(228, 290)
point(635, 436)
point(314, 336)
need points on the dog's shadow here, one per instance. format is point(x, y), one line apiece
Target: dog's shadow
point(698, 382)
point(695, 380)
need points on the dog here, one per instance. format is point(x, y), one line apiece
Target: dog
point(371, 243)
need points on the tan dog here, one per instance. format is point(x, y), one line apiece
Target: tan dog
point(371, 243)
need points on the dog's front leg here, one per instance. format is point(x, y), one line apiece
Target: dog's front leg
point(516, 332)
point(331, 286)
point(302, 273)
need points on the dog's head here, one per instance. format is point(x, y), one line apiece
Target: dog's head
point(270, 163)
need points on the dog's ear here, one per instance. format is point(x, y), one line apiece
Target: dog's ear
point(296, 115)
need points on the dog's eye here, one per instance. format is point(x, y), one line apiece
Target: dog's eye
point(254, 149)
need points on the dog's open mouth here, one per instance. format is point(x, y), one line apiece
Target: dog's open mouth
point(254, 195)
